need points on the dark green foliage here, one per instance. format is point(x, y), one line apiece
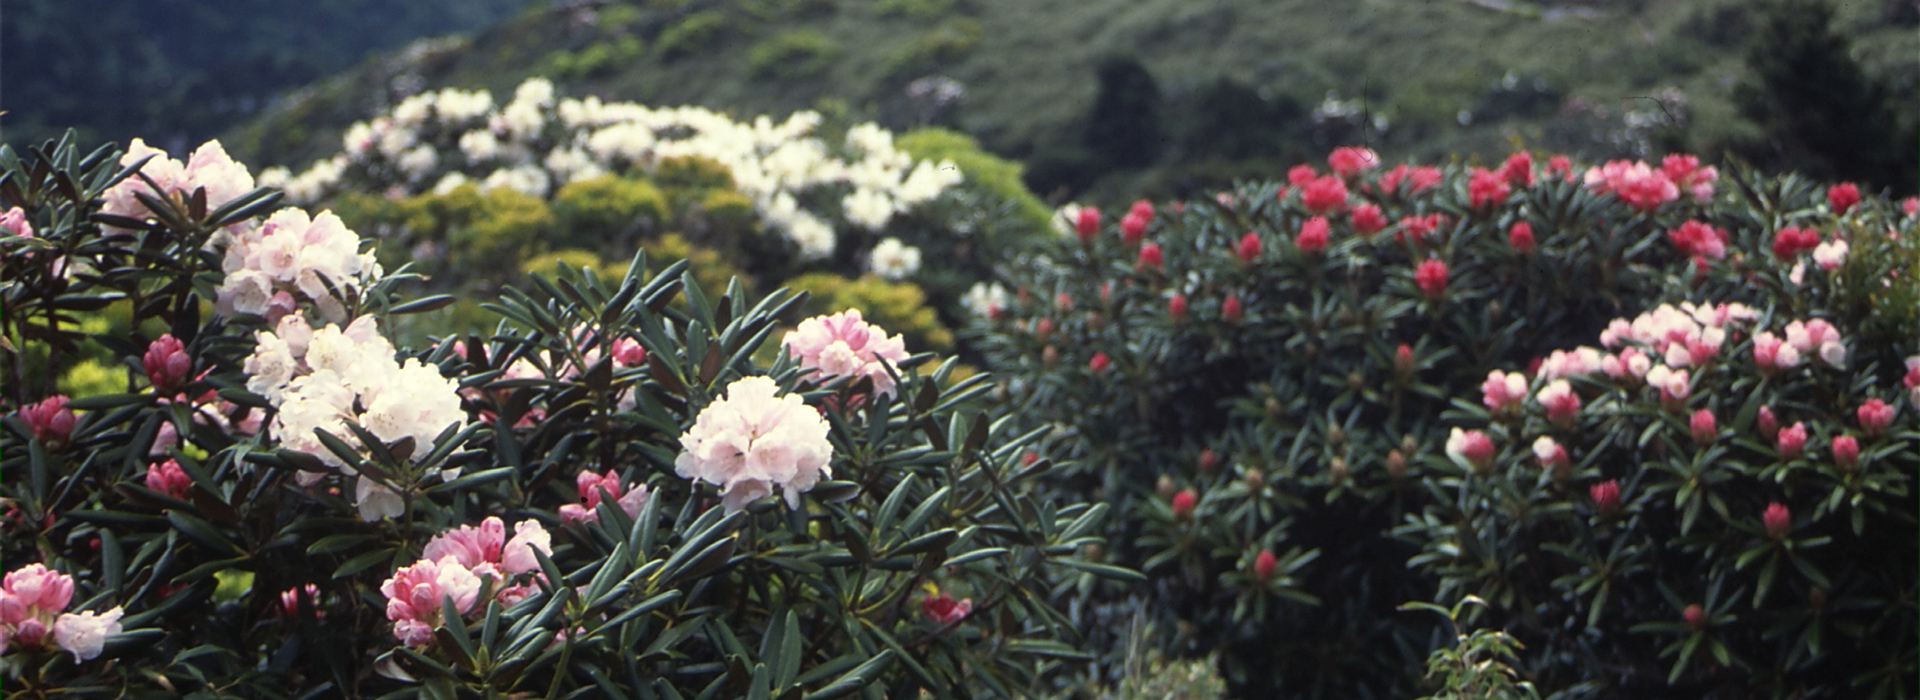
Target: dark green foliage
point(1821, 115)
point(1125, 128)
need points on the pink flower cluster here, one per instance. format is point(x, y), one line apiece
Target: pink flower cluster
point(50, 420)
point(1417, 178)
point(1646, 188)
point(209, 167)
point(844, 345)
point(1686, 336)
point(452, 566)
point(1804, 339)
point(753, 439)
point(290, 258)
point(592, 486)
point(1348, 161)
point(1472, 448)
point(31, 600)
point(1699, 240)
point(1503, 392)
point(14, 222)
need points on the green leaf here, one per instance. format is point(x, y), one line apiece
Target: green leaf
point(852, 681)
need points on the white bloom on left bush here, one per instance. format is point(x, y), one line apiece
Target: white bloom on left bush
point(320, 379)
point(754, 439)
point(894, 260)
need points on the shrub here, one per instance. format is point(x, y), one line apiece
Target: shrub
point(1265, 386)
point(793, 54)
point(691, 34)
point(270, 480)
point(605, 210)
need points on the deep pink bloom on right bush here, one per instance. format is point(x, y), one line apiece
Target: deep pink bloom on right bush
point(1792, 240)
point(1502, 392)
point(944, 610)
point(168, 478)
point(1249, 247)
point(1606, 496)
point(1686, 173)
point(1875, 415)
point(1694, 616)
point(1183, 503)
point(1324, 194)
point(590, 485)
point(1846, 452)
point(1704, 427)
point(1486, 188)
point(1472, 447)
point(1263, 565)
point(1301, 174)
point(1100, 362)
point(1842, 197)
point(1777, 520)
point(1367, 219)
point(1699, 240)
point(1177, 307)
point(1769, 426)
point(1792, 440)
point(415, 592)
point(1313, 235)
point(628, 352)
point(1416, 178)
point(1431, 277)
point(1150, 257)
point(1132, 228)
point(1520, 236)
point(1518, 169)
point(1348, 161)
point(1087, 223)
point(1634, 183)
point(1230, 309)
point(167, 363)
point(1562, 404)
point(51, 421)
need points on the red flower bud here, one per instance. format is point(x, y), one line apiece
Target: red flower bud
point(1842, 197)
point(1403, 360)
point(1230, 309)
point(168, 478)
point(1769, 426)
point(1149, 256)
point(1486, 188)
point(943, 610)
point(1367, 219)
point(1043, 329)
point(1777, 520)
point(1183, 503)
point(1875, 415)
point(1263, 565)
point(1028, 457)
point(1520, 236)
point(1141, 208)
point(1087, 224)
point(1705, 428)
point(1313, 235)
point(1431, 277)
point(1208, 461)
point(1177, 307)
point(1792, 440)
point(1249, 248)
point(167, 364)
point(50, 420)
point(1606, 496)
point(1695, 617)
point(1099, 362)
point(628, 352)
point(1846, 452)
point(1132, 228)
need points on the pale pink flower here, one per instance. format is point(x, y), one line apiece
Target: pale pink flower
point(1830, 255)
point(1471, 447)
point(1771, 354)
point(1561, 402)
point(15, 222)
point(753, 439)
point(843, 345)
point(85, 633)
point(1502, 392)
point(476, 547)
point(1550, 453)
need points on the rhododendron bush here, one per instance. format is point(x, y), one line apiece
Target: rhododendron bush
point(606, 495)
point(1655, 421)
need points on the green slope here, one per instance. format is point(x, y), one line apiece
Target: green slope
point(1449, 77)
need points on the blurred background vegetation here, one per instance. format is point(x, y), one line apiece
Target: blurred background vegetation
point(1101, 99)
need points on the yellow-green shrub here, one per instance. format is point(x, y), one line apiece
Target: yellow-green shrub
point(607, 208)
point(799, 53)
point(983, 170)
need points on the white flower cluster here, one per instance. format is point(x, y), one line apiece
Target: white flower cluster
point(894, 260)
point(319, 379)
point(289, 255)
point(209, 167)
point(535, 143)
point(753, 439)
point(986, 299)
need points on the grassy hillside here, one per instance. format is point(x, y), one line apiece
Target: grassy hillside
point(1428, 79)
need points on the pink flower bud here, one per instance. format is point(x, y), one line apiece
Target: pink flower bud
point(1367, 219)
point(1043, 329)
point(1518, 170)
point(168, 478)
point(1403, 360)
point(1705, 428)
point(1177, 307)
point(1141, 208)
point(628, 352)
point(50, 420)
point(1846, 452)
point(1777, 520)
point(1520, 236)
point(1769, 426)
point(1183, 503)
point(1695, 617)
point(1132, 228)
point(1472, 447)
point(1562, 404)
point(1485, 189)
point(38, 588)
point(1249, 248)
point(943, 610)
point(1099, 362)
point(1149, 256)
point(1431, 277)
point(1087, 224)
point(1606, 496)
point(1560, 165)
point(1208, 461)
point(1348, 161)
point(1324, 194)
point(1842, 197)
point(1792, 440)
point(15, 222)
point(1313, 235)
point(167, 364)
point(1230, 309)
point(1502, 392)
point(1263, 565)
point(1875, 415)
point(290, 599)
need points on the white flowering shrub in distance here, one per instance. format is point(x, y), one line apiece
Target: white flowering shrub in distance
point(537, 142)
point(272, 498)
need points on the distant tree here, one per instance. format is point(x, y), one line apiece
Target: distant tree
point(1227, 119)
point(1126, 127)
point(1821, 114)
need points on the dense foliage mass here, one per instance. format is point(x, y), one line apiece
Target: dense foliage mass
point(268, 498)
point(1659, 423)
